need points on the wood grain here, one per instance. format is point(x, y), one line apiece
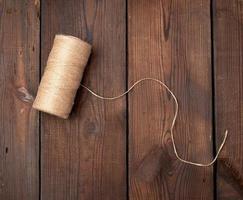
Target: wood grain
point(170, 40)
point(228, 63)
point(84, 157)
point(19, 77)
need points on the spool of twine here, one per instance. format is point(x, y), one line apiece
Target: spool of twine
point(61, 80)
point(62, 76)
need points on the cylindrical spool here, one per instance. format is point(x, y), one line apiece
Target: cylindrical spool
point(62, 76)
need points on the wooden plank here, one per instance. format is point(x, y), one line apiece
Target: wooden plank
point(228, 63)
point(170, 40)
point(84, 157)
point(19, 77)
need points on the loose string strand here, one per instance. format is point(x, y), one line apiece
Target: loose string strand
point(173, 121)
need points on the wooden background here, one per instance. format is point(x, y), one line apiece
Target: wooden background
point(195, 46)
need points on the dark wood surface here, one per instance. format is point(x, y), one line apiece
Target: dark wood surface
point(170, 41)
point(19, 77)
point(228, 23)
point(122, 149)
point(84, 157)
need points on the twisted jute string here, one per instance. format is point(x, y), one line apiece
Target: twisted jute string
point(62, 78)
point(173, 121)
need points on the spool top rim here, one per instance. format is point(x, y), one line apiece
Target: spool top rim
point(70, 37)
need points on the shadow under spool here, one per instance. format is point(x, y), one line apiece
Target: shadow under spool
point(62, 76)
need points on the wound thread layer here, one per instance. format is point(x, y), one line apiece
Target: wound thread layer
point(62, 76)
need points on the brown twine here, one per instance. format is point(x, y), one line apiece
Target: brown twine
point(62, 78)
point(173, 121)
